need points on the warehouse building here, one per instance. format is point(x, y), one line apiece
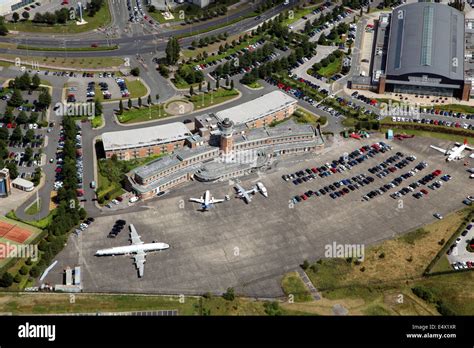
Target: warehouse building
point(144, 142)
point(419, 49)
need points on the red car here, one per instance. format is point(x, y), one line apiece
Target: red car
point(424, 191)
point(436, 172)
point(304, 197)
point(58, 170)
point(314, 170)
point(94, 45)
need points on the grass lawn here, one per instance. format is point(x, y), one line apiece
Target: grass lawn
point(374, 281)
point(442, 265)
point(101, 19)
point(143, 114)
point(34, 208)
point(105, 63)
point(67, 49)
point(425, 133)
point(41, 224)
point(97, 121)
point(254, 85)
point(331, 68)
point(205, 100)
point(293, 285)
point(304, 116)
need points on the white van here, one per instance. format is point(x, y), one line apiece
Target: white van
point(133, 199)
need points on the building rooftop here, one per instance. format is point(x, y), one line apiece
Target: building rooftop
point(257, 108)
point(132, 138)
point(156, 165)
point(23, 183)
point(426, 38)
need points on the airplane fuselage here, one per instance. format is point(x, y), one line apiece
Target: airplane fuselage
point(132, 249)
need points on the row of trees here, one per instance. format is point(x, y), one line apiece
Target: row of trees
point(25, 82)
point(209, 40)
point(43, 102)
point(3, 27)
point(57, 17)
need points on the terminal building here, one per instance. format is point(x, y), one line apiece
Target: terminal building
point(144, 142)
point(237, 145)
point(419, 49)
point(9, 6)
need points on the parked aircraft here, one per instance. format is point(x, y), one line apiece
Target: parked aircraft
point(137, 248)
point(206, 201)
point(456, 152)
point(245, 194)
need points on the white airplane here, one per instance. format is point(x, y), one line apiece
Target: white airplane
point(245, 194)
point(262, 189)
point(138, 248)
point(455, 153)
point(206, 201)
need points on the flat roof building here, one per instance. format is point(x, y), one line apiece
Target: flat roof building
point(22, 184)
point(425, 52)
point(143, 142)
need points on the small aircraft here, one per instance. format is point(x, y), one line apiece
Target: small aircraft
point(262, 189)
point(206, 201)
point(455, 153)
point(138, 248)
point(245, 194)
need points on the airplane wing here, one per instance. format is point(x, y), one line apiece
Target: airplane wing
point(134, 237)
point(239, 188)
point(439, 149)
point(470, 148)
point(140, 262)
point(197, 200)
point(213, 200)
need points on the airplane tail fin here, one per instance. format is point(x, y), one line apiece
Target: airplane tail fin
point(465, 141)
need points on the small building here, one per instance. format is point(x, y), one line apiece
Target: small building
point(22, 184)
point(5, 183)
point(390, 134)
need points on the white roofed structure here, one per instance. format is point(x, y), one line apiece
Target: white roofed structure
point(147, 136)
point(258, 108)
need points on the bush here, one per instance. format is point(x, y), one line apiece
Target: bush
point(17, 278)
point(135, 71)
point(34, 271)
point(23, 270)
point(6, 280)
point(272, 308)
point(424, 293)
point(305, 265)
point(382, 255)
point(229, 295)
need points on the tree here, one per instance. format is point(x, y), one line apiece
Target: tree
point(6, 280)
point(135, 71)
point(229, 295)
point(3, 27)
point(97, 107)
point(172, 51)
point(139, 101)
point(148, 101)
point(120, 107)
point(29, 135)
point(16, 100)
point(11, 166)
point(35, 81)
point(22, 118)
point(23, 270)
point(130, 103)
point(151, 8)
point(191, 91)
point(28, 153)
point(218, 83)
point(231, 84)
point(34, 271)
point(15, 17)
point(208, 86)
point(44, 99)
point(157, 97)
point(16, 134)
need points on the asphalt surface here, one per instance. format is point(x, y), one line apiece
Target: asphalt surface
point(249, 247)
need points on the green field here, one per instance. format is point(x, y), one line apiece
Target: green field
point(292, 285)
point(101, 19)
point(143, 114)
point(205, 100)
point(67, 49)
point(331, 68)
point(34, 208)
point(423, 133)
